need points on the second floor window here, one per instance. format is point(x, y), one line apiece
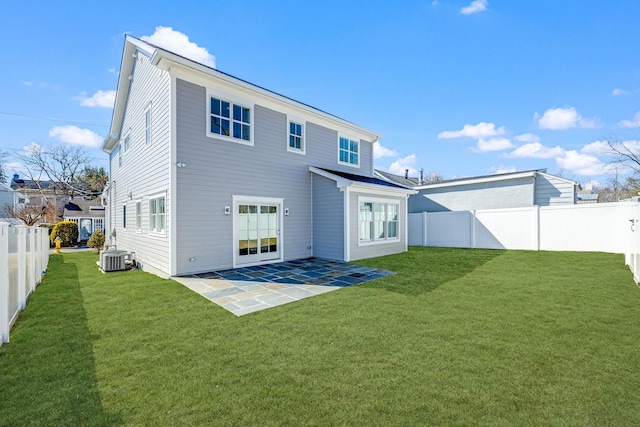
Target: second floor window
point(296, 140)
point(348, 151)
point(229, 119)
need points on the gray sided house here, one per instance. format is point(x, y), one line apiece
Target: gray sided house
point(10, 197)
point(211, 172)
point(500, 191)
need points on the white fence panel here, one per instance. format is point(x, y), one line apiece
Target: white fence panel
point(597, 228)
point(451, 229)
point(24, 256)
point(506, 228)
point(417, 229)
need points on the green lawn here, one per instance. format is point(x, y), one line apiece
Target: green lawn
point(457, 337)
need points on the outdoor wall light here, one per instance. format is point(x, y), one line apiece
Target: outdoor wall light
point(286, 211)
point(227, 210)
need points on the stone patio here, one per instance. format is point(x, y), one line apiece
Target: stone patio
point(248, 289)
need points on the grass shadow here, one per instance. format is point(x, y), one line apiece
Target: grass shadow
point(47, 370)
point(424, 269)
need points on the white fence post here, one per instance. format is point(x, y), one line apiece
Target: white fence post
point(425, 234)
point(474, 219)
point(4, 283)
point(22, 277)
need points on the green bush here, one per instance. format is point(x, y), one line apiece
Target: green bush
point(67, 231)
point(96, 240)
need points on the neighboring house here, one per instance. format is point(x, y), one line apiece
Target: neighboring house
point(39, 194)
point(88, 214)
point(211, 172)
point(507, 190)
point(405, 181)
point(10, 197)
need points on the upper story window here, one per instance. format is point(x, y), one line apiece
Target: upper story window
point(348, 151)
point(296, 137)
point(147, 125)
point(229, 119)
point(127, 143)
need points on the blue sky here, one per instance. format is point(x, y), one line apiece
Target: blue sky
point(459, 87)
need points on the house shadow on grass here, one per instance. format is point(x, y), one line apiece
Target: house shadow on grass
point(47, 370)
point(424, 269)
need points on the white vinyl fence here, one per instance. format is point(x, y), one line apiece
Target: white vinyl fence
point(24, 256)
point(606, 227)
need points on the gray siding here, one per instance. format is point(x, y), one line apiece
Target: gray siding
point(328, 219)
point(551, 190)
point(129, 183)
point(369, 250)
point(514, 193)
point(218, 169)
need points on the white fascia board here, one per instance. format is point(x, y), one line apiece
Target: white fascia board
point(201, 75)
point(340, 181)
point(480, 180)
point(568, 181)
point(131, 47)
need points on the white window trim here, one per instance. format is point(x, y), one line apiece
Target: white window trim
point(386, 240)
point(303, 145)
point(124, 141)
point(138, 202)
point(350, 138)
point(231, 100)
point(148, 127)
point(161, 233)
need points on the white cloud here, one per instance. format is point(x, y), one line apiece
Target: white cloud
point(582, 164)
point(101, 98)
point(34, 147)
point(504, 169)
point(481, 130)
point(527, 137)
point(177, 42)
point(76, 136)
point(400, 165)
point(633, 123)
point(475, 7)
point(493, 144)
point(564, 118)
point(380, 151)
point(600, 148)
point(435, 3)
point(620, 92)
point(113, 70)
point(535, 150)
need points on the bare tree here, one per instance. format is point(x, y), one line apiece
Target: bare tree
point(433, 178)
point(626, 154)
point(3, 161)
point(61, 164)
point(32, 214)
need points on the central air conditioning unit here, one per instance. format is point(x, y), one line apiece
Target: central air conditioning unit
point(113, 260)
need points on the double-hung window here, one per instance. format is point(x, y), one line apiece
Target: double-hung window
point(229, 119)
point(378, 220)
point(157, 215)
point(138, 216)
point(296, 137)
point(348, 151)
